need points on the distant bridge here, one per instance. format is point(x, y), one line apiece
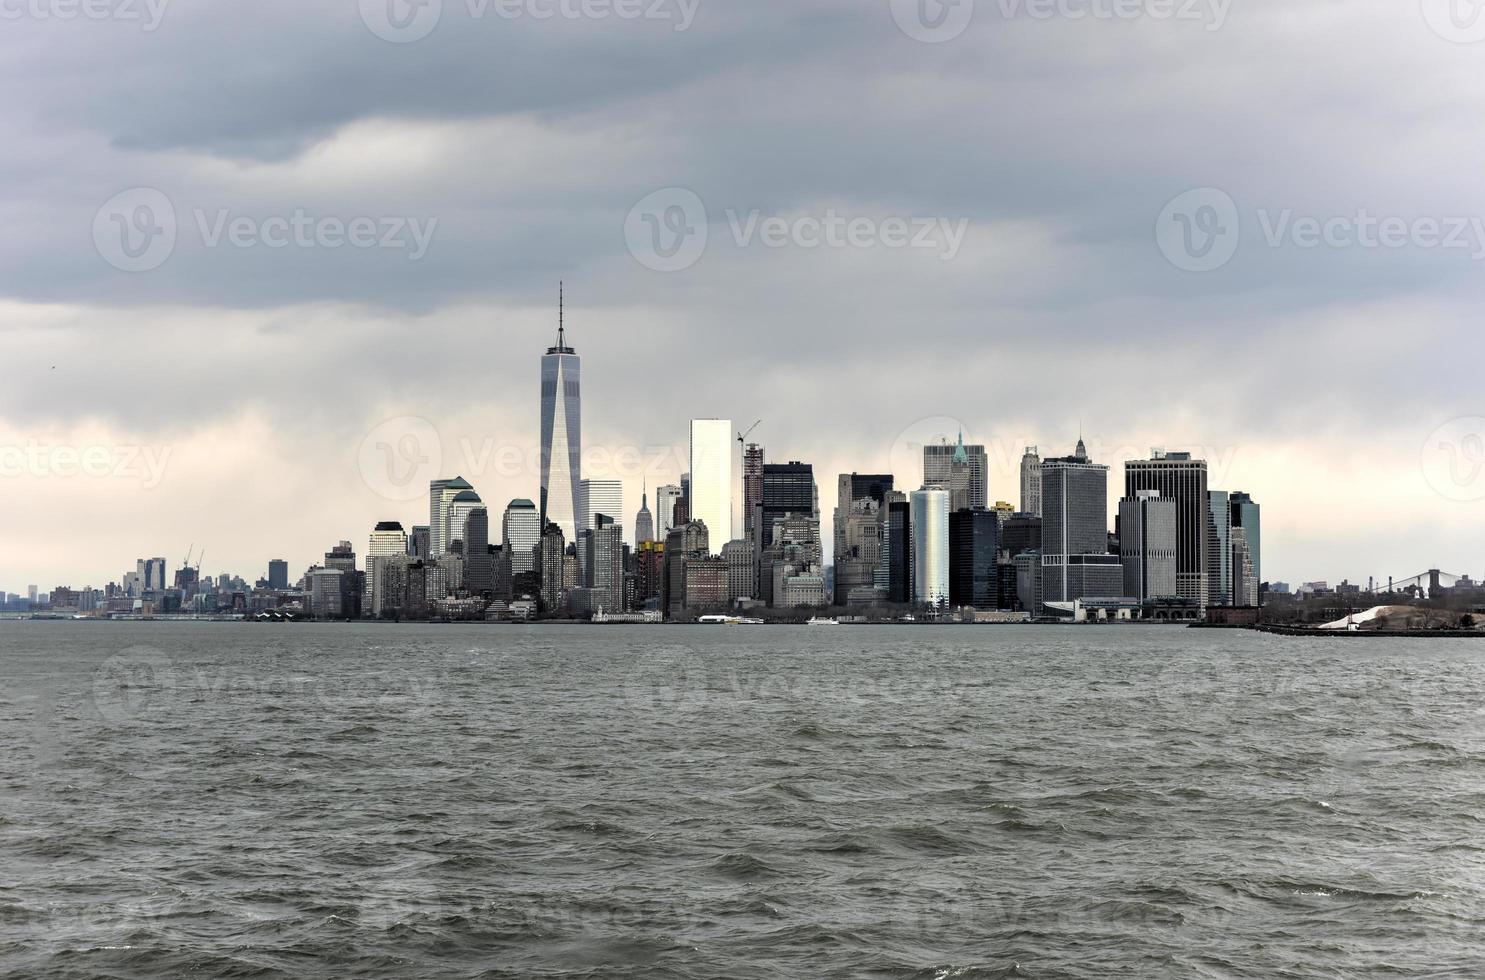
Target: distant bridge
point(1425, 582)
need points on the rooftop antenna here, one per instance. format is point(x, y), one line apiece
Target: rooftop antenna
point(561, 315)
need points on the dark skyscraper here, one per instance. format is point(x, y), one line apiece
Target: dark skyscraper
point(278, 574)
point(788, 488)
point(561, 431)
point(1180, 478)
point(897, 547)
point(973, 550)
point(479, 562)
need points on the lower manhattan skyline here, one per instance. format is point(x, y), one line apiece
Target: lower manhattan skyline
point(215, 308)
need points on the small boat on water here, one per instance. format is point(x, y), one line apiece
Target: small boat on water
point(817, 621)
point(730, 621)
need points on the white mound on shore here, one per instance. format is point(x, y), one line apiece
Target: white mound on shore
point(1356, 619)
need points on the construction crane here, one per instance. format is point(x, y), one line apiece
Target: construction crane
point(742, 437)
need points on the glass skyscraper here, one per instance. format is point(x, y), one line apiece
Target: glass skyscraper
point(930, 533)
point(561, 432)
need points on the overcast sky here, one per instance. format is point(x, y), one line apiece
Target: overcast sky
point(248, 247)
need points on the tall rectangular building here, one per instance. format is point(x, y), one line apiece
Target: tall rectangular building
point(948, 466)
point(666, 499)
point(711, 477)
point(441, 496)
point(1219, 549)
point(1180, 478)
point(897, 551)
point(1147, 545)
point(1031, 482)
point(561, 431)
point(788, 491)
point(1245, 514)
point(930, 549)
point(520, 535)
point(596, 497)
point(974, 548)
point(1075, 524)
point(603, 565)
point(752, 478)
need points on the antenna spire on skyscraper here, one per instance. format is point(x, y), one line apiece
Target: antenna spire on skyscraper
point(561, 314)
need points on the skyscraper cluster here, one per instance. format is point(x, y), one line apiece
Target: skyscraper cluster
point(740, 531)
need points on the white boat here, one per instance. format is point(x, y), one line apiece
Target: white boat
point(817, 621)
point(730, 621)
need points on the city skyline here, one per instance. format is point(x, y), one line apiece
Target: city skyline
point(237, 377)
point(653, 464)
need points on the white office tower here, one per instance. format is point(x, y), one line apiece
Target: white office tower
point(666, 498)
point(599, 497)
point(929, 526)
point(711, 477)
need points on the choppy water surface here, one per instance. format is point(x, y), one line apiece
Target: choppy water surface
point(401, 801)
